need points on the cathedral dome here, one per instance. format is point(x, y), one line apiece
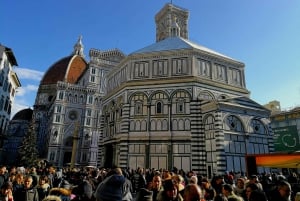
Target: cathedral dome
point(25, 114)
point(68, 69)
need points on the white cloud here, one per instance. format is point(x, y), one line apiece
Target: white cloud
point(29, 88)
point(29, 74)
point(25, 95)
point(16, 108)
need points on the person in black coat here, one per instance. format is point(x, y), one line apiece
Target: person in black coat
point(27, 192)
point(282, 192)
point(111, 188)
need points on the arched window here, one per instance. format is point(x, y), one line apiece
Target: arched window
point(158, 108)
point(234, 124)
point(257, 126)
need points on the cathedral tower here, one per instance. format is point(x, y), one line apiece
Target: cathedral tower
point(171, 21)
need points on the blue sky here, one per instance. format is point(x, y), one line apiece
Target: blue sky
point(263, 34)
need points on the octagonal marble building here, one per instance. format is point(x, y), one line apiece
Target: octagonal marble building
point(171, 104)
point(178, 104)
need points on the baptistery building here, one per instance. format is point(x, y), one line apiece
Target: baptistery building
point(171, 104)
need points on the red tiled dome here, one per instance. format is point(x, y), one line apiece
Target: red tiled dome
point(67, 69)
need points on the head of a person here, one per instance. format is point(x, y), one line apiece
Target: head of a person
point(253, 179)
point(297, 196)
point(156, 182)
point(2, 169)
point(6, 188)
point(219, 180)
point(51, 169)
point(205, 184)
point(118, 171)
point(227, 190)
point(19, 178)
point(33, 170)
point(250, 188)
point(192, 192)
point(43, 179)
point(166, 174)
point(179, 181)
point(284, 189)
point(240, 183)
point(193, 180)
point(28, 182)
point(170, 189)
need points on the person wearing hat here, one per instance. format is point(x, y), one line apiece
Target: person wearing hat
point(170, 192)
point(6, 192)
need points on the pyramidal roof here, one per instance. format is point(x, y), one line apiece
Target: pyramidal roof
point(176, 43)
point(172, 33)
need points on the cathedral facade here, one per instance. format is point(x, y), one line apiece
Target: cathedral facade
point(171, 104)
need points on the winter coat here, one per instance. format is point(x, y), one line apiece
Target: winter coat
point(23, 194)
point(111, 188)
point(43, 190)
point(52, 198)
point(127, 190)
point(64, 194)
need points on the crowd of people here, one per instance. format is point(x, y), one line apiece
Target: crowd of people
point(116, 184)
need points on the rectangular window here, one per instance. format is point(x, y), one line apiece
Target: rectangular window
point(160, 68)
point(88, 121)
point(180, 106)
point(221, 72)
point(138, 108)
point(57, 118)
point(13, 91)
point(204, 68)
point(93, 71)
point(180, 66)
point(61, 95)
point(89, 112)
point(90, 100)
point(141, 69)
point(92, 78)
point(52, 156)
point(1, 78)
point(1, 102)
point(58, 109)
point(84, 157)
point(236, 77)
